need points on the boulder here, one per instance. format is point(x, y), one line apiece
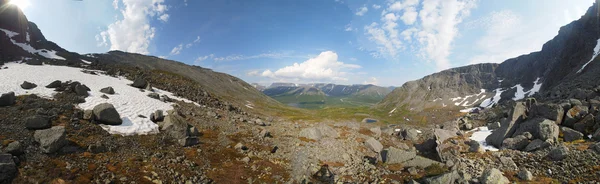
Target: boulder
point(493, 176)
point(14, 148)
point(149, 87)
point(106, 113)
point(493, 125)
point(474, 146)
point(525, 175)
point(394, 155)
point(374, 145)
point(165, 98)
point(516, 143)
point(540, 128)
point(37, 122)
point(537, 144)
point(411, 134)
point(558, 153)
point(574, 115)
point(104, 96)
point(81, 90)
point(311, 133)
point(154, 95)
point(28, 85)
point(108, 90)
point(574, 102)
point(88, 114)
point(240, 146)
point(507, 128)
point(54, 84)
point(157, 116)
point(442, 135)
point(8, 168)
point(552, 112)
point(51, 140)
point(446, 178)
point(36, 62)
point(376, 131)
point(596, 135)
point(421, 162)
point(189, 141)
point(595, 147)
point(467, 126)
point(7, 99)
point(175, 126)
point(586, 124)
point(139, 83)
point(570, 134)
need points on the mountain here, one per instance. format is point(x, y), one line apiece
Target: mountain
point(565, 67)
point(320, 95)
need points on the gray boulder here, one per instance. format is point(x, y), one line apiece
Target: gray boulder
point(394, 155)
point(157, 116)
point(374, 145)
point(311, 133)
point(493, 125)
point(574, 102)
point(51, 140)
point(7, 99)
point(154, 95)
point(8, 168)
point(507, 128)
point(376, 131)
point(525, 175)
point(139, 83)
point(540, 129)
point(108, 90)
point(411, 134)
point(442, 135)
point(82, 90)
point(175, 126)
point(537, 144)
point(586, 124)
point(14, 148)
point(88, 114)
point(595, 147)
point(106, 113)
point(558, 153)
point(493, 176)
point(570, 134)
point(37, 122)
point(574, 115)
point(28, 85)
point(54, 84)
point(596, 135)
point(552, 112)
point(516, 143)
point(446, 178)
point(149, 87)
point(189, 141)
point(474, 146)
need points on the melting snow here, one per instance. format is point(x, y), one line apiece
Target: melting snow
point(469, 109)
point(86, 62)
point(393, 110)
point(491, 101)
point(596, 52)
point(249, 105)
point(43, 52)
point(464, 101)
point(129, 101)
point(520, 94)
point(479, 135)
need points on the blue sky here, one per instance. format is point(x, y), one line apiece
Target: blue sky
point(383, 42)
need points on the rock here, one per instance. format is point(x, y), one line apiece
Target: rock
point(37, 122)
point(175, 126)
point(369, 120)
point(394, 155)
point(493, 126)
point(559, 153)
point(540, 128)
point(8, 168)
point(493, 176)
point(474, 146)
point(193, 131)
point(595, 147)
point(14, 148)
point(596, 135)
point(189, 141)
point(516, 143)
point(442, 135)
point(537, 144)
point(574, 115)
point(264, 133)
point(88, 114)
point(374, 145)
point(552, 112)
point(586, 124)
point(240, 146)
point(421, 162)
point(411, 134)
point(106, 113)
point(36, 62)
point(311, 133)
point(82, 90)
point(149, 87)
point(246, 159)
point(507, 128)
point(165, 98)
point(7, 99)
point(28, 85)
point(104, 96)
point(157, 116)
point(376, 131)
point(54, 84)
point(467, 126)
point(508, 163)
point(574, 102)
point(108, 90)
point(446, 178)
point(51, 140)
point(139, 83)
point(570, 134)
point(154, 95)
point(97, 147)
point(525, 175)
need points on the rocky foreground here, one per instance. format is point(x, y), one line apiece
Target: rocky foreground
point(53, 141)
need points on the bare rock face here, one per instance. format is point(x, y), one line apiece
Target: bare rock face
point(51, 140)
point(374, 145)
point(518, 114)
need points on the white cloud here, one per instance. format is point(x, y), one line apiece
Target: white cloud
point(116, 4)
point(133, 33)
point(202, 58)
point(410, 16)
point(348, 28)
point(376, 6)
point(371, 80)
point(164, 17)
point(362, 11)
point(197, 40)
point(324, 67)
point(254, 73)
point(176, 50)
point(163, 57)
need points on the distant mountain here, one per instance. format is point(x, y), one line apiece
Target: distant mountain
point(258, 86)
point(566, 67)
point(320, 95)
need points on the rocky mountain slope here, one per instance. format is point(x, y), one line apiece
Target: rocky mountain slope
point(321, 95)
point(566, 62)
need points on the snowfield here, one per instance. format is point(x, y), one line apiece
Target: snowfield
point(129, 101)
point(596, 52)
point(42, 52)
point(479, 135)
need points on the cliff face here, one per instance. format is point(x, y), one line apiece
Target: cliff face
point(566, 67)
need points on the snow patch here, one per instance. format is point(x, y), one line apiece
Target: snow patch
point(393, 110)
point(43, 52)
point(596, 52)
point(464, 101)
point(479, 135)
point(129, 101)
point(86, 62)
point(469, 109)
point(249, 105)
point(520, 94)
point(491, 101)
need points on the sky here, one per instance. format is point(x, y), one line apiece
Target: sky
point(381, 42)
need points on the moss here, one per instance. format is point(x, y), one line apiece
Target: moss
point(435, 169)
